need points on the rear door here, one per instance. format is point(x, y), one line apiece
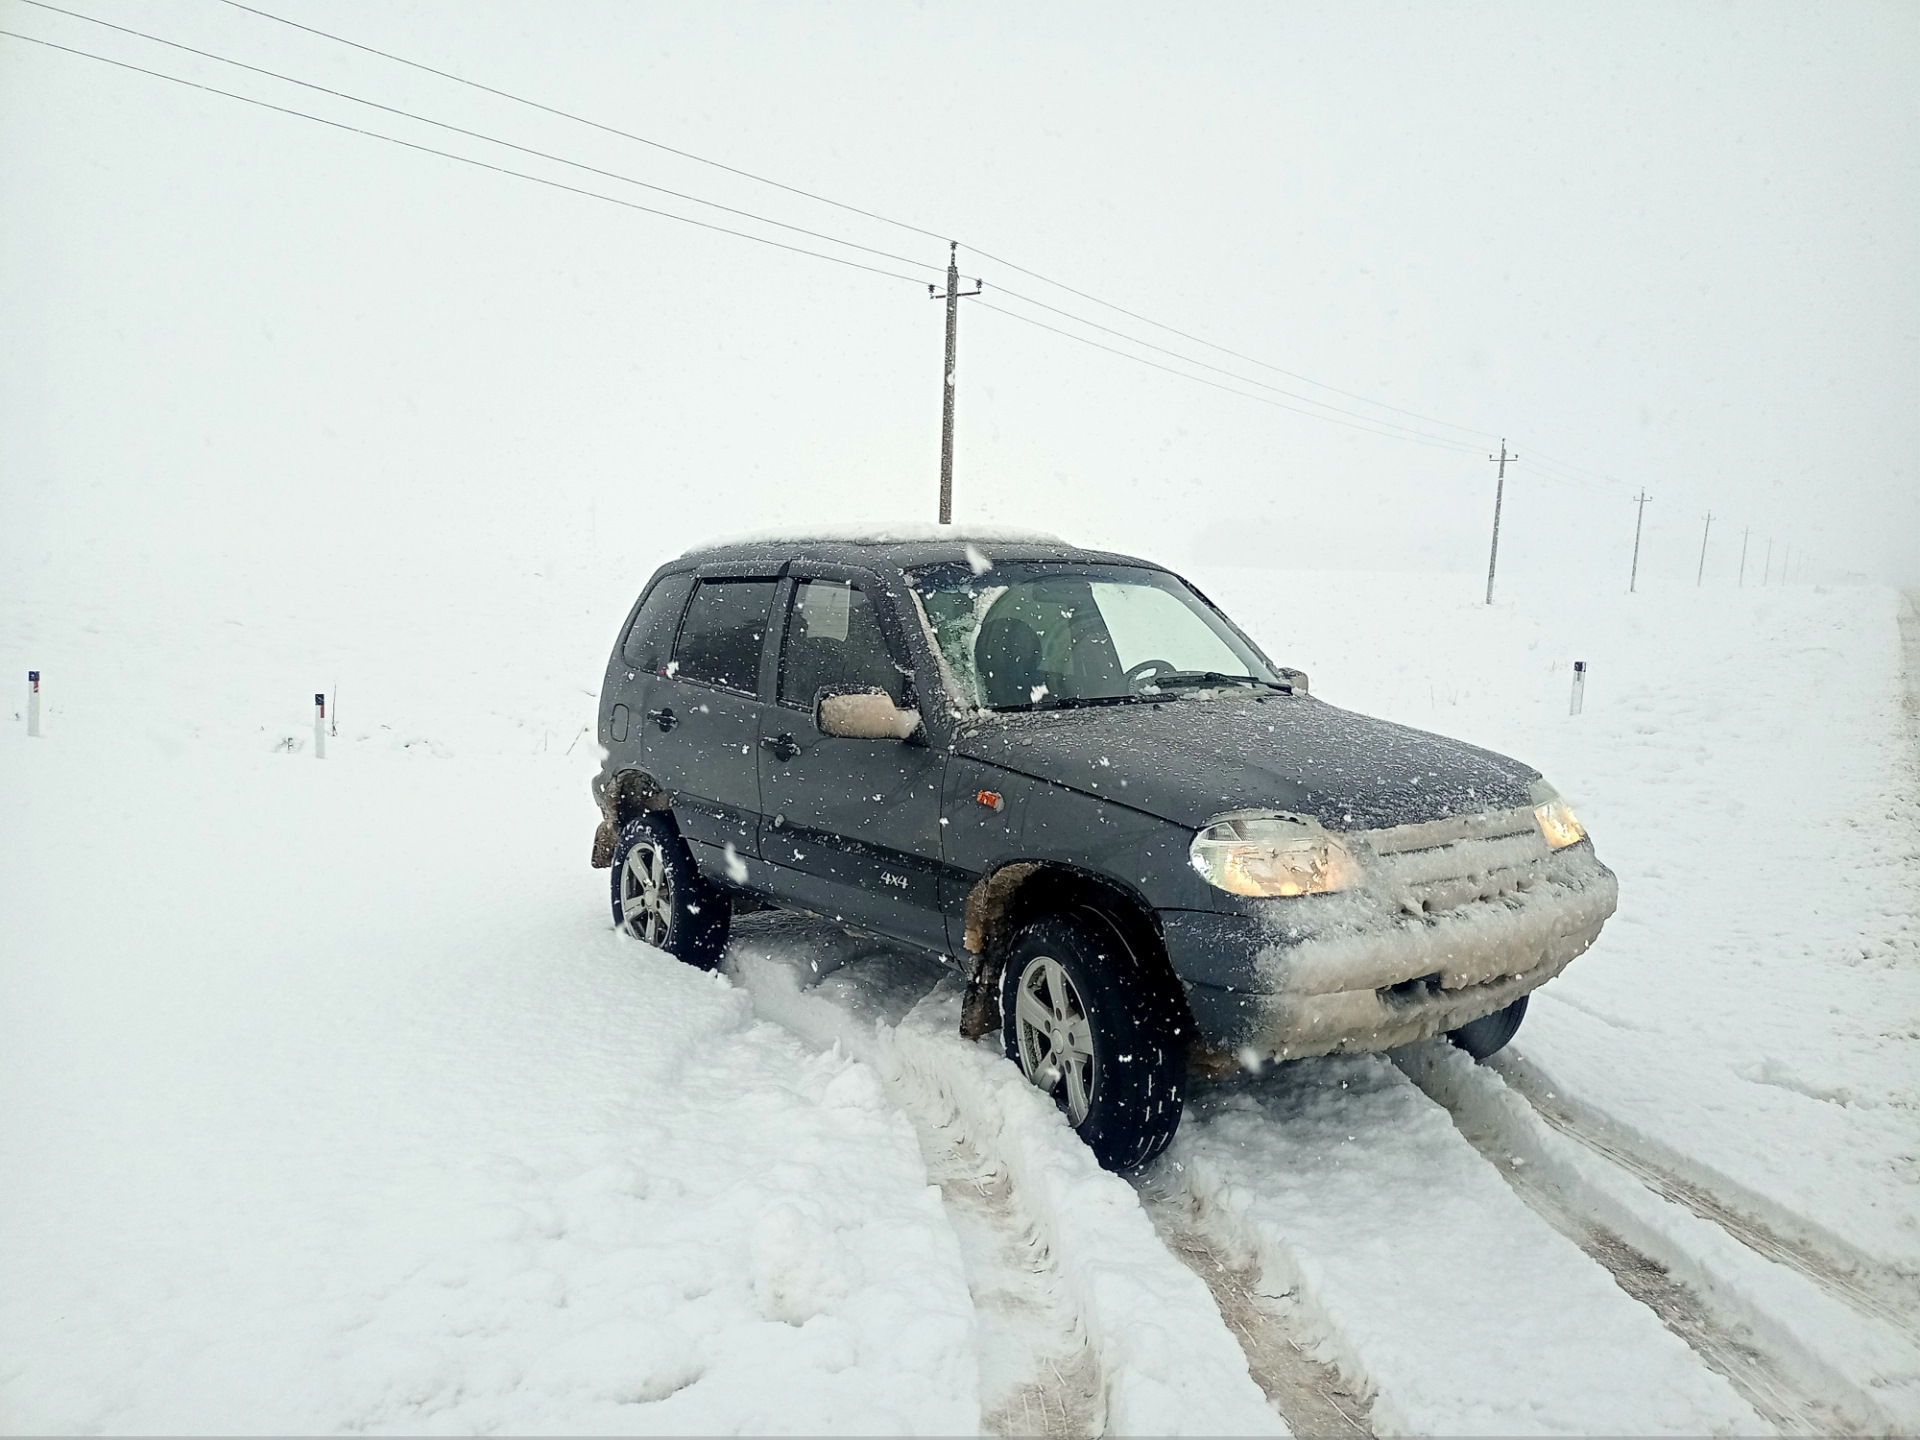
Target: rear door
point(635, 670)
point(702, 720)
point(852, 826)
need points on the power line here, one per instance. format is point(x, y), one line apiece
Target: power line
point(1198, 340)
point(692, 199)
point(852, 210)
point(465, 159)
point(1188, 359)
point(1366, 423)
point(583, 120)
point(478, 135)
point(1202, 380)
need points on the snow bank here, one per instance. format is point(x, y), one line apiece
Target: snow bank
point(329, 1101)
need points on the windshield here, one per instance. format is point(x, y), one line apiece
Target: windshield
point(1033, 636)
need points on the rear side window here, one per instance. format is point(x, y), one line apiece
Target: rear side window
point(833, 641)
point(720, 638)
point(650, 638)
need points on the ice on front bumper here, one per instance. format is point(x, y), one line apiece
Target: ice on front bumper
point(1461, 903)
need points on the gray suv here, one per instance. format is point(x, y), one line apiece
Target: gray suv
point(1149, 849)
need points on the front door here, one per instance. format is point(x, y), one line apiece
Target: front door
point(852, 827)
point(703, 722)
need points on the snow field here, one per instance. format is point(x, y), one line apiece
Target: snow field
point(1166, 1361)
point(328, 1100)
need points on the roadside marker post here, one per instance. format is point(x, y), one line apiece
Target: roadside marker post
point(319, 727)
point(33, 702)
point(1579, 700)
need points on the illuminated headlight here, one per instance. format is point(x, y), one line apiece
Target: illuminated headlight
point(1555, 817)
point(1263, 854)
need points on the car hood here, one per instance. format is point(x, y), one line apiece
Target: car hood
point(1191, 759)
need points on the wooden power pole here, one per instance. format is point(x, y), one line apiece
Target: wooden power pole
point(1499, 494)
point(1633, 582)
point(953, 296)
point(1700, 574)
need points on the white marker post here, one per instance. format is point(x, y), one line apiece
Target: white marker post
point(33, 702)
point(1579, 687)
point(319, 727)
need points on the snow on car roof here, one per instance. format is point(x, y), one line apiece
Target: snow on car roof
point(884, 533)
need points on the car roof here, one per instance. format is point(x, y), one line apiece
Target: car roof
point(900, 549)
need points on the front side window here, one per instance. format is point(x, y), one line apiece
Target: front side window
point(1025, 636)
point(834, 642)
point(721, 636)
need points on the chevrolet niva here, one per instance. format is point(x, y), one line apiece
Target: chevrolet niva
point(1150, 849)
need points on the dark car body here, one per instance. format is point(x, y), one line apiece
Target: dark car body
point(930, 840)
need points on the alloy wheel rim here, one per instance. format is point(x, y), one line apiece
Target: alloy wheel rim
point(646, 893)
point(1055, 1037)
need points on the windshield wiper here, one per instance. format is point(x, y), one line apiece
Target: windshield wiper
point(1072, 702)
point(1213, 677)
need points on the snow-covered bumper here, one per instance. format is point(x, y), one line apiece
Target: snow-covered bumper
point(1457, 919)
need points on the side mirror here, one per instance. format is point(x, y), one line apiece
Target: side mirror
point(1296, 678)
point(862, 715)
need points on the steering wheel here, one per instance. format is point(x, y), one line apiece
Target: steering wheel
point(1146, 670)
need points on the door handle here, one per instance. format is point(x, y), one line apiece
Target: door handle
point(784, 747)
point(663, 717)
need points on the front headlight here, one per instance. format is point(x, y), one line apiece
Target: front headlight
point(1267, 854)
point(1555, 817)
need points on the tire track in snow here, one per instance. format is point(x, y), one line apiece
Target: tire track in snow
point(1804, 1358)
point(1088, 1325)
point(1871, 1290)
point(1418, 1277)
point(1038, 1375)
point(1311, 1395)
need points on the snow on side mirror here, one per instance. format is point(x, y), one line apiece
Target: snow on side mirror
point(1296, 678)
point(863, 715)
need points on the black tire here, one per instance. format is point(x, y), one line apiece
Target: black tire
point(1490, 1033)
point(1133, 1074)
point(683, 914)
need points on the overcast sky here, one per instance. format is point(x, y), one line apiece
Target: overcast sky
point(1670, 246)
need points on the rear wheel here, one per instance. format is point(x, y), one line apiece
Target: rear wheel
point(1490, 1033)
point(660, 897)
point(1100, 1030)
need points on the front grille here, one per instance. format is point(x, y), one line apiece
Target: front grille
point(1441, 865)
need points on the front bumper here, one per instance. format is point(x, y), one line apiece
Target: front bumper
point(1439, 935)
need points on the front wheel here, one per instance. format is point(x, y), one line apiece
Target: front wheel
point(1099, 1030)
point(1490, 1033)
point(661, 898)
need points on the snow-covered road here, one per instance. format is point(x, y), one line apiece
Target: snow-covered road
point(329, 1101)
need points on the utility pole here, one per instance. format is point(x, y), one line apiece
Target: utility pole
point(1699, 574)
point(1641, 500)
point(1767, 573)
point(1743, 556)
point(1499, 494)
point(1786, 564)
point(953, 296)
